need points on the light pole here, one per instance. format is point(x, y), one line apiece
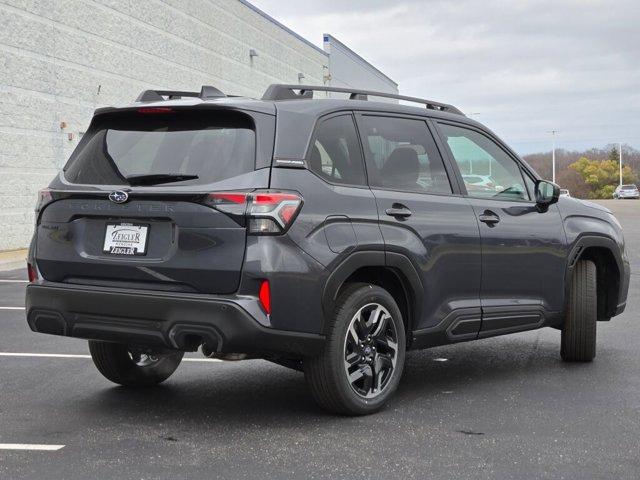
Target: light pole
point(553, 155)
point(620, 155)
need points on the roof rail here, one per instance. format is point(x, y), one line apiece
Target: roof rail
point(288, 92)
point(206, 92)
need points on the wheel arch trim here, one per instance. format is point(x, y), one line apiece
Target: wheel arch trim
point(398, 263)
point(580, 246)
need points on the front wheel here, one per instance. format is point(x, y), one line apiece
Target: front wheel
point(579, 330)
point(132, 367)
point(362, 361)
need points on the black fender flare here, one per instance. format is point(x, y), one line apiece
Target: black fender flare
point(396, 262)
point(587, 241)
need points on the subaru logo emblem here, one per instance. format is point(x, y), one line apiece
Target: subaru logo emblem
point(118, 196)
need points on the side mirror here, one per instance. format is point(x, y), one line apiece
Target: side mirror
point(547, 193)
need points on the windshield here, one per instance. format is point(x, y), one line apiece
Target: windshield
point(177, 148)
point(629, 187)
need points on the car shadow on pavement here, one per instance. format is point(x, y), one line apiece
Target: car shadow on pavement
point(267, 394)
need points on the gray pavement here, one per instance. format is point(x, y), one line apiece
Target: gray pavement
point(498, 408)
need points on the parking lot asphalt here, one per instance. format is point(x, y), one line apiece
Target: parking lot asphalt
point(499, 408)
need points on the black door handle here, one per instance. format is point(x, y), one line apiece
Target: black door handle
point(489, 217)
point(398, 210)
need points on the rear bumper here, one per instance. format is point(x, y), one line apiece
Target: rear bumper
point(159, 319)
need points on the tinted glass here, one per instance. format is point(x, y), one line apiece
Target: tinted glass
point(478, 155)
point(335, 155)
point(402, 155)
point(211, 147)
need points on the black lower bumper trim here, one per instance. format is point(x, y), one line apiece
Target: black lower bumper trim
point(157, 320)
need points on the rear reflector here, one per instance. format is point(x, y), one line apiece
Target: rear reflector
point(265, 296)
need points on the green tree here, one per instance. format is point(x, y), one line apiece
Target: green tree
point(602, 176)
point(614, 155)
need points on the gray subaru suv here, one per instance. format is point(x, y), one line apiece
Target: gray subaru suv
point(328, 235)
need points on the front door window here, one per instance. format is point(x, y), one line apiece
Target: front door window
point(487, 170)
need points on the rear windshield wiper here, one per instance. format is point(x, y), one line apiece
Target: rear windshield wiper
point(156, 178)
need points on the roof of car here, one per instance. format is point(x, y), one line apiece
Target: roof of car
point(283, 98)
point(312, 107)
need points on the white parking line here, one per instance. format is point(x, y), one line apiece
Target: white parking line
point(13, 281)
point(46, 355)
point(72, 355)
point(202, 360)
point(11, 308)
point(29, 446)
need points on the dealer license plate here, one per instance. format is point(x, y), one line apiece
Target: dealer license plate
point(125, 239)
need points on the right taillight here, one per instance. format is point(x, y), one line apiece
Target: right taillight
point(267, 212)
point(272, 212)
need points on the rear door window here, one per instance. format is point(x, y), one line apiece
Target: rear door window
point(402, 155)
point(210, 146)
point(335, 154)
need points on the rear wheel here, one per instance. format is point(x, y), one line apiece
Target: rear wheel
point(579, 330)
point(133, 367)
point(361, 364)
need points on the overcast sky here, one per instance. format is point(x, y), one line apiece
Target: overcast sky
point(526, 67)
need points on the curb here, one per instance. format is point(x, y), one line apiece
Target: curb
point(13, 259)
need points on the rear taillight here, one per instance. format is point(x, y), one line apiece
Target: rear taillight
point(267, 212)
point(44, 198)
point(32, 273)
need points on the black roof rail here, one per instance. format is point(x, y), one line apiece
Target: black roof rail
point(288, 92)
point(206, 92)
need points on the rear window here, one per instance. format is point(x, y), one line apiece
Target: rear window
point(629, 187)
point(210, 145)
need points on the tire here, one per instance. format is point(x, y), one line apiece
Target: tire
point(131, 368)
point(361, 364)
point(579, 330)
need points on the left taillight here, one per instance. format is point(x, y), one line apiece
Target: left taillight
point(267, 212)
point(44, 198)
point(32, 272)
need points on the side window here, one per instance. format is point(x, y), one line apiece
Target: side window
point(335, 154)
point(402, 155)
point(487, 170)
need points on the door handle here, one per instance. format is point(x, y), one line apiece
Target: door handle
point(489, 217)
point(398, 210)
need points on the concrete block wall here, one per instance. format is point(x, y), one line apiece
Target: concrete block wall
point(350, 70)
point(61, 59)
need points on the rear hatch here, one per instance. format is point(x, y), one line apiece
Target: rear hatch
point(129, 209)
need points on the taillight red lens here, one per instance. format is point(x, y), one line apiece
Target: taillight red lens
point(32, 273)
point(227, 197)
point(287, 213)
point(265, 296)
point(273, 198)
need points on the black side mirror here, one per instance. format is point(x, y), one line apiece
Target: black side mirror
point(547, 193)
